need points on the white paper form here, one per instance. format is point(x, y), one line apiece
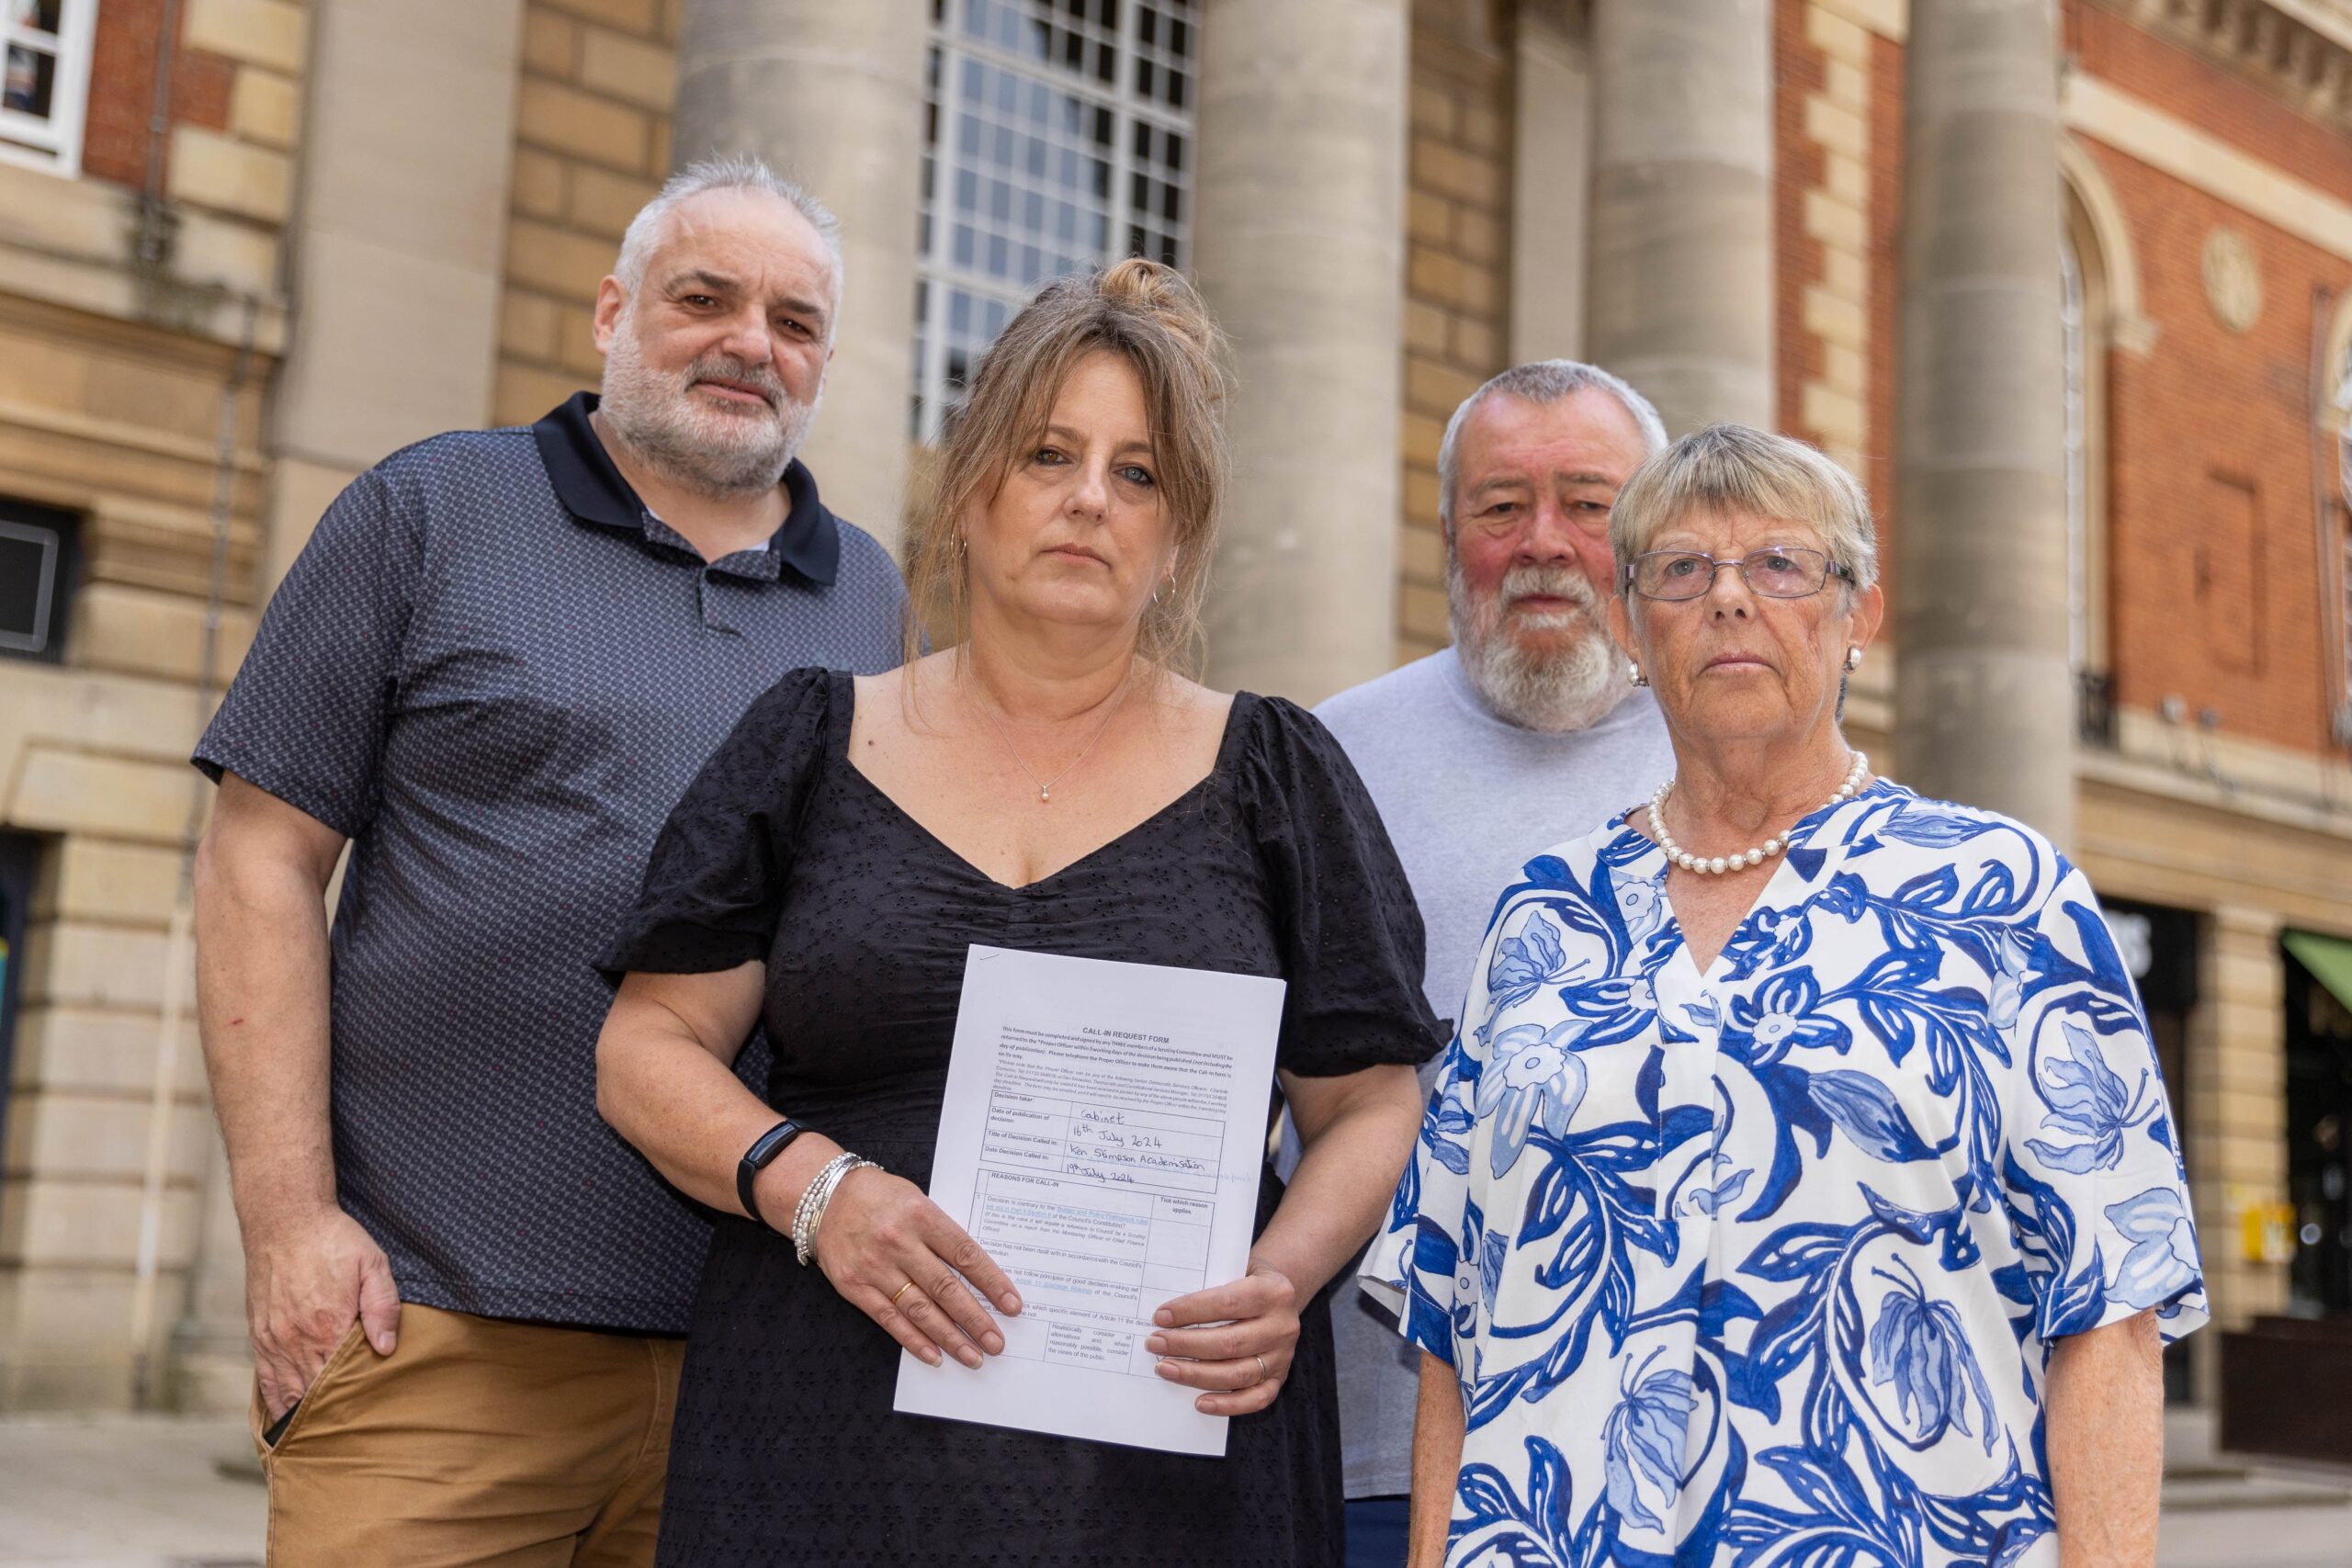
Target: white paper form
point(1101, 1136)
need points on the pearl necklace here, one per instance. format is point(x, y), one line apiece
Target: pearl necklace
point(1718, 864)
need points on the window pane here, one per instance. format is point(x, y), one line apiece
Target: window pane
point(40, 16)
point(29, 556)
point(31, 81)
point(1065, 155)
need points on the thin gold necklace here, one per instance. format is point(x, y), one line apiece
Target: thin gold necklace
point(1046, 786)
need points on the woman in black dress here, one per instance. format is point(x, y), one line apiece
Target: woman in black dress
point(1048, 783)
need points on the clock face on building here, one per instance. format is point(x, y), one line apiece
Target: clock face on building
point(2232, 280)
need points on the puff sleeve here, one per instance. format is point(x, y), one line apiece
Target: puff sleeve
point(1349, 934)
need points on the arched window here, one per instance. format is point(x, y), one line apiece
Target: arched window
point(2099, 313)
point(2100, 320)
point(2334, 419)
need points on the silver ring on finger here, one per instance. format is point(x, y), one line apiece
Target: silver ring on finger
point(1264, 1374)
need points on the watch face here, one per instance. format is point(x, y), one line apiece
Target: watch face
point(772, 1143)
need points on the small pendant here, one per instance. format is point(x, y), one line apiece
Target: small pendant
point(1044, 795)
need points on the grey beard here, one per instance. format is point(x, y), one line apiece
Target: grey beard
point(692, 447)
point(1551, 692)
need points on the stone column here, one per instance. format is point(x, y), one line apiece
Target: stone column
point(1681, 284)
point(399, 243)
point(1299, 243)
point(1984, 702)
point(2231, 1116)
point(1551, 194)
point(830, 94)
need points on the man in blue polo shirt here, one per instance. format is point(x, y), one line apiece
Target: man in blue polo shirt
point(491, 672)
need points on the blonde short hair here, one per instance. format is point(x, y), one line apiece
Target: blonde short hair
point(1152, 318)
point(1734, 468)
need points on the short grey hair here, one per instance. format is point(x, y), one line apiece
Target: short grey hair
point(1735, 467)
point(738, 172)
point(1542, 381)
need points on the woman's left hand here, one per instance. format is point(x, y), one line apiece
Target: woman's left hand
point(1241, 1361)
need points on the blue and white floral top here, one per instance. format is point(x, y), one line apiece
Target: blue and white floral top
point(1762, 1265)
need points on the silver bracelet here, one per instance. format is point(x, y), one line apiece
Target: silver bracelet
point(810, 1196)
point(809, 1212)
point(809, 1193)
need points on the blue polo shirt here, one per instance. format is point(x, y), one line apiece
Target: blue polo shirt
point(494, 671)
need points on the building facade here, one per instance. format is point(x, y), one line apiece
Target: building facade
point(362, 224)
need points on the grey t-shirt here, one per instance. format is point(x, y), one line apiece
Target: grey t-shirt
point(1467, 799)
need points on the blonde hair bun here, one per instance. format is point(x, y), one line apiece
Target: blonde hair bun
point(1167, 294)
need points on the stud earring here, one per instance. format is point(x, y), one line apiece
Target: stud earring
point(1634, 673)
point(1853, 659)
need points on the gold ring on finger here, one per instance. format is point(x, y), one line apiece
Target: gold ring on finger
point(1265, 1374)
point(900, 1291)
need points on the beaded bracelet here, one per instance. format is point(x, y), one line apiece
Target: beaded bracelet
point(809, 1212)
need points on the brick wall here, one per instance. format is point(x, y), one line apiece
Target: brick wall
point(122, 89)
point(1829, 203)
point(2100, 43)
point(1882, 294)
point(2211, 475)
point(235, 108)
point(1798, 72)
point(2216, 580)
point(1457, 268)
point(591, 146)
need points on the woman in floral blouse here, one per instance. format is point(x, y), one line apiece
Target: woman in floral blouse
point(1799, 1188)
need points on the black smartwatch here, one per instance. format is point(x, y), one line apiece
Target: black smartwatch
point(755, 1159)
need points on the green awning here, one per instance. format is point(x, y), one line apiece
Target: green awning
point(2329, 959)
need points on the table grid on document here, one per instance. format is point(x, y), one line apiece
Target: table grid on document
point(1102, 1213)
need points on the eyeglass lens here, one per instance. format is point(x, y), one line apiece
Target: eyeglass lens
point(1774, 574)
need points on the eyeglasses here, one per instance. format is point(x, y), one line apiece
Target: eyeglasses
point(1769, 573)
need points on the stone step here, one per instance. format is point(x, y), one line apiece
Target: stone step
point(2217, 1489)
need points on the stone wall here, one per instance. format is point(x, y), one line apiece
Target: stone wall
point(113, 380)
point(1457, 272)
point(2219, 585)
point(591, 145)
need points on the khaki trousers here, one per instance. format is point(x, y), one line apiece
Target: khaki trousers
point(477, 1443)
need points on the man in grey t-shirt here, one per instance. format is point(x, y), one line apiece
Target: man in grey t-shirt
point(1523, 734)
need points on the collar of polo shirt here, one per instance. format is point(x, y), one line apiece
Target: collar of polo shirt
point(590, 488)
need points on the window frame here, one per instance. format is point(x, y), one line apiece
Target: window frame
point(937, 275)
point(55, 614)
point(53, 144)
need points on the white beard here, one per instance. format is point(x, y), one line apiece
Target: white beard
point(703, 450)
point(1555, 692)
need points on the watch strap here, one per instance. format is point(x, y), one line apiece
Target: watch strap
point(757, 1158)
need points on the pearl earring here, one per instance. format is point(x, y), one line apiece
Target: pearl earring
point(1634, 673)
point(1853, 659)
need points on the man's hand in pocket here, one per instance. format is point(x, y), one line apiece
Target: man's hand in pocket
point(307, 1280)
